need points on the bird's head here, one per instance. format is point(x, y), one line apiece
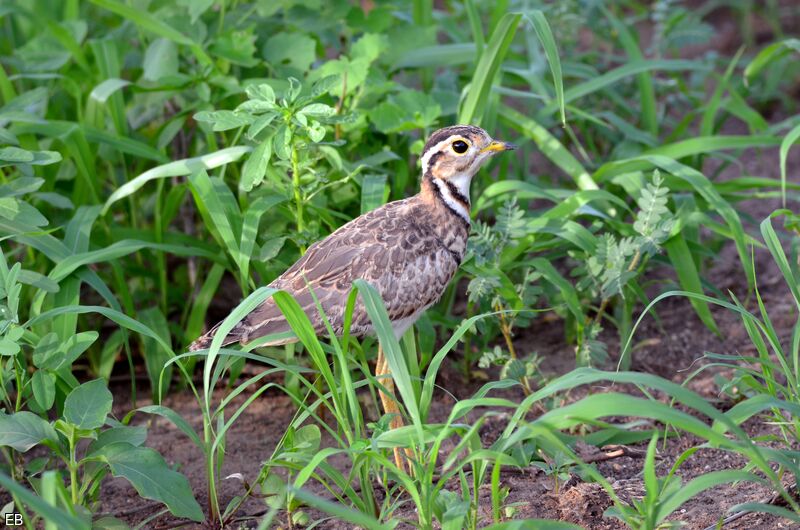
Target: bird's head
point(453, 155)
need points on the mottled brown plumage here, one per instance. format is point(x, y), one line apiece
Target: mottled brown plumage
point(408, 250)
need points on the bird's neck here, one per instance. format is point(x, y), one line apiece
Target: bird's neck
point(452, 194)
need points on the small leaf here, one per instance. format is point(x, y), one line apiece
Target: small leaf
point(195, 7)
point(270, 248)
point(107, 88)
point(44, 388)
point(323, 85)
point(318, 110)
point(152, 478)
point(282, 142)
point(223, 120)
point(256, 165)
point(294, 89)
point(261, 92)
point(316, 131)
point(260, 124)
point(15, 155)
point(88, 405)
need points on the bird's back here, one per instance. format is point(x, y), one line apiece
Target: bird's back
point(408, 250)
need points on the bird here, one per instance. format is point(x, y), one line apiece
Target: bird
point(408, 250)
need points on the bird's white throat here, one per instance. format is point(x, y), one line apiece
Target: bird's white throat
point(461, 184)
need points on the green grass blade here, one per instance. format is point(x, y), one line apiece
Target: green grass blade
point(545, 35)
point(788, 141)
point(698, 485)
point(178, 168)
point(647, 95)
point(208, 195)
point(339, 511)
point(768, 55)
point(689, 277)
point(48, 512)
point(391, 348)
point(613, 76)
point(485, 72)
point(713, 105)
point(151, 23)
point(476, 27)
point(120, 318)
point(549, 145)
point(776, 249)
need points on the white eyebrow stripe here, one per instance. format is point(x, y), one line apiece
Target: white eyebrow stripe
point(451, 202)
point(426, 157)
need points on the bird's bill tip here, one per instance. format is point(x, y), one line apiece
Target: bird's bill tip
point(497, 147)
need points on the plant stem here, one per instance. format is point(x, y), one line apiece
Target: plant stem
point(505, 329)
point(298, 197)
point(604, 303)
point(210, 472)
point(468, 347)
point(73, 470)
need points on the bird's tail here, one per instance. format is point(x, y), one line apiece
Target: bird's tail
point(203, 342)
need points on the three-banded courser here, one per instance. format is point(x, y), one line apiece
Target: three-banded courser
point(408, 250)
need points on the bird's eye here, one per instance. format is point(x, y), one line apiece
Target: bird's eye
point(460, 147)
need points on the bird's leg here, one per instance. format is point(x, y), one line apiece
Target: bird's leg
point(389, 404)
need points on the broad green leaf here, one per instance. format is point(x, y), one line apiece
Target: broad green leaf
point(152, 478)
point(160, 60)
point(21, 212)
point(293, 50)
point(688, 276)
point(172, 416)
point(134, 435)
point(206, 191)
point(8, 347)
point(270, 248)
point(23, 430)
point(237, 46)
point(87, 406)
